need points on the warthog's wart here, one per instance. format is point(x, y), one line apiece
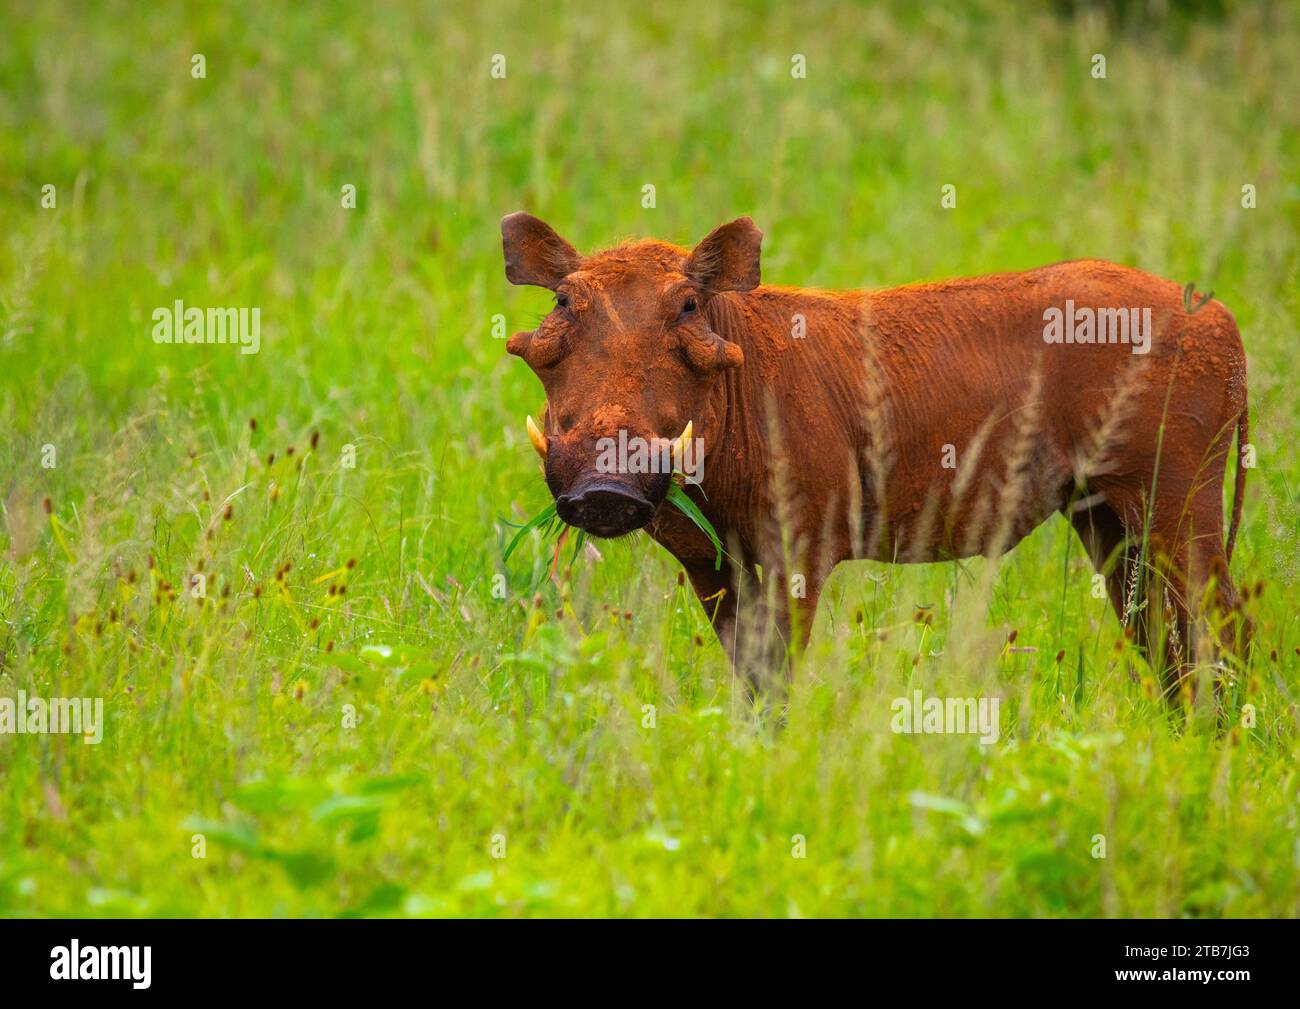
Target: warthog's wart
point(1104, 325)
point(179, 324)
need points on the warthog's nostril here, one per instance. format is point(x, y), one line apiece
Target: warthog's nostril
point(605, 509)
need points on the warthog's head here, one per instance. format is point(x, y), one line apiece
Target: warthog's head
point(627, 358)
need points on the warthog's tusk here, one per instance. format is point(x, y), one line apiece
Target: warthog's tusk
point(683, 439)
point(537, 438)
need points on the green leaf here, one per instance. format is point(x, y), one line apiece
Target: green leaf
point(577, 545)
point(544, 519)
point(305, 868)
point(678, 497)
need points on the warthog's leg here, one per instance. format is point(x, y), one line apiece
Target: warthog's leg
point(1176, 594)
point(717, 594)
point(1145, 594)
point(761, 625)
point(1104, 537)
point(1219, 629)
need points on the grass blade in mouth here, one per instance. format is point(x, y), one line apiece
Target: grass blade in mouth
point(679, 498)
point(549, 523)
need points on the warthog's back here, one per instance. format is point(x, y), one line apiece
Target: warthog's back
point(1054, 374)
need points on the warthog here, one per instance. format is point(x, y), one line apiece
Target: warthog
point(927, 422)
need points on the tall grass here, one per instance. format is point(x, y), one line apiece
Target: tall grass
point(586, 727)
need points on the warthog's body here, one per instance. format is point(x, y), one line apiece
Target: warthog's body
point(911, 424)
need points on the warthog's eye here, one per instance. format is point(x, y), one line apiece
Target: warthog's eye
point(561, 300)
point(688, 306)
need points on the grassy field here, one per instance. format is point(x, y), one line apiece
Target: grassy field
point(351, 722)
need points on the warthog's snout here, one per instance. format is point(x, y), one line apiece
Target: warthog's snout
point(607, 508)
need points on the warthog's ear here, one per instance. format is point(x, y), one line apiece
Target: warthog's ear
point(534, 253)
point(727, 260)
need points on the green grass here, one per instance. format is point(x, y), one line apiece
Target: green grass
point(478, 716)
